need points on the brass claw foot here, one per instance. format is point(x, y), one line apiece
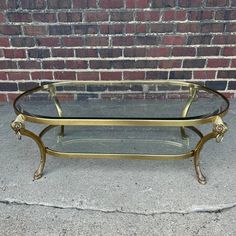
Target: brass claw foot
point(200, 177)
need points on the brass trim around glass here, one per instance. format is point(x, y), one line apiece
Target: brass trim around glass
point(218, 130)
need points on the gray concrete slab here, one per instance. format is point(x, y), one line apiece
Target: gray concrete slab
point(123, 197)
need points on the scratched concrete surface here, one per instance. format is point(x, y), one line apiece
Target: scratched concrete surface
point(116, 197)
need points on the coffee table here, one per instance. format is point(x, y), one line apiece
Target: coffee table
point(149, 119)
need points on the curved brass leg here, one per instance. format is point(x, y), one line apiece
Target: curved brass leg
point(219, 129)
point(19, 128)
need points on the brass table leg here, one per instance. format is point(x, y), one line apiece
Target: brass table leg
point(219, 129)
point(18, 126)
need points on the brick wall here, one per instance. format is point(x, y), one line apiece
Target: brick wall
point(45, 40)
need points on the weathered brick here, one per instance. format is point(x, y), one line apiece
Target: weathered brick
point(231, 74)
point(29, 64)
point(86, 29)
point(173, 15)
point(100, 64)
point(80, 53)
point(180, 75)
point(10, 29)
point(23, 86)
point(122, 16)
point(233, 63)
point(199, 15)
point(225, 14)
point(204, 75)
point(162, 28)
point(229, 51)
point(95, 16)
point(173, 40)
point(155, 75)
point(162, 3)
point(22, 42)
point(76, 64)
point(39, 53)
point(8, 86)
point(3, 97)
point(31, 5)
point(147, 40)
point(188, 27)
point(208, 51)
point(159, 52)
point(64, 75)
point(153, 15)
point(44, 17)
point(62, 52)
point(123, 40)
point(3, 75)
point(194, 63)
point(111, 75)
point(7, 64)
point(60, 30)
point(218, 63)
point(72, 41)
point(217, 85)
point(135, 52)
point(224, 39)
point(59, 4)
point(199, 39)
point(70, 16)
point(19, 17)
point(218, 3)
point(110, 52)
point(232, 85)
point(124, 64)
point(41, 75)
point(14, 53)
point(48, 41)
point(96, 41)
point(107, 4)
point(96, 88)
point(53, 65)
point(136, 75)
point(137, 4)
point(34, 30)
point(4, 42)
point(190, 3)
point(165, 64)
point(84, 4)
point(184, 51)
point(88, 75)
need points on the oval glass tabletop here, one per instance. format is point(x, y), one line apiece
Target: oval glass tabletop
point(121, 100)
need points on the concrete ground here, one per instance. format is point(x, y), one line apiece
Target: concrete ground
point(116, 197)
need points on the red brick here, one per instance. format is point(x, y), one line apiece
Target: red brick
point(14, 53)
point(7, 64)
point(100, 64)
point(224, 39)
point(76, 64)
point(135, 52)
point(72, 41)
point(173, 15)
point(60, 29)
point(158, 52)
point(137, 75)
point(225, 15)
point(64, 75)
point(44, 17)
point(204, 75)
point(3, 4)
point(218, 63)
point(18, 76)
point(156, 75)
point(29, 64)
point(173, 40)
point(22, 42)
point(70, 16)
point(61, 52)
point(84, 4)
point(95, 16)
point(122, 16)
point(170, 64)
point(123, 40)
point(88, 75)
point(137, 4)
point(212, 27)
point(41, 75)
point(108, 4)
point(12, 96)
point(190, 3)
point(97, 41)
point(184, 51)
point(162, 28)
point(208, 51)
point(229, 51)
point(3, 75)
point(86, 29)
point(59, 4)
point(80, 53)
point(36, 4)
point(4, 42)
point(19, 17)
point(10, 29)
point(2, 17)
point(111, 75)
point(188, 27)
point(200, 15)
point(217, 3)
point(148, 15)
point(53, 65)
point(48, 41)
point(110, 52)
point(163, 3)
point(34, 30)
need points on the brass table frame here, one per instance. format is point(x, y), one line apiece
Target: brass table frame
point(218, 130)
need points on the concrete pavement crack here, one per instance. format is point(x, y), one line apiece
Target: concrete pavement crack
point(209, 209)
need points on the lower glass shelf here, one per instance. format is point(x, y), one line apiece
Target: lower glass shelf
point(127, 140)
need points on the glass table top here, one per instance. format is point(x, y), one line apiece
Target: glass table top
point(121, 100)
